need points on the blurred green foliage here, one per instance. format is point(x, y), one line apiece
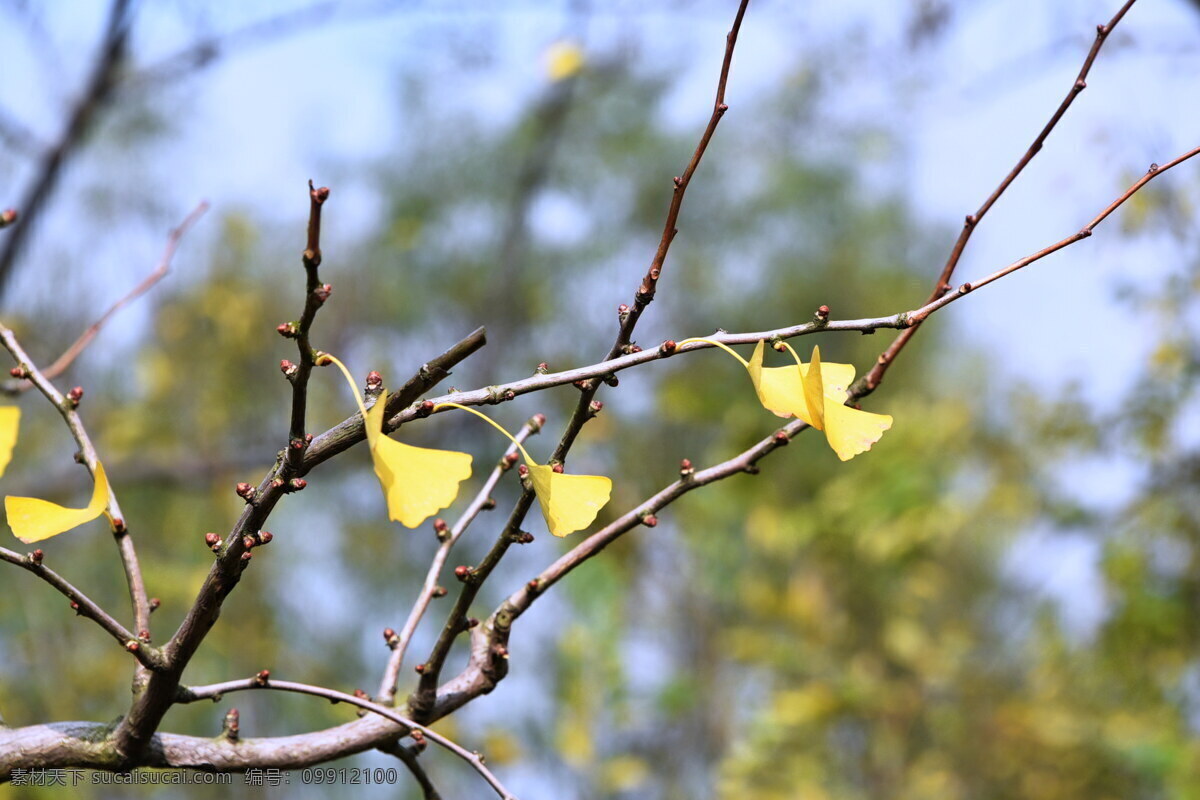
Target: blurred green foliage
point(821, 630)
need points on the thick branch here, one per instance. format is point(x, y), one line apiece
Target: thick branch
point(217, 690)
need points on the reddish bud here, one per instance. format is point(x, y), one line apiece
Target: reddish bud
point(297, 444)
point(308, 437)
point(322, 293)
point(649, 520)
point(245, 491)
point(144, 635)
point(18, 372)
point(420, 670)
point(248, 542)
point(686, 464)
point(612, 380)
point(8, 217)
point(533, 585)
point(543, 368)
point(522, 470)
point(388, 635)
point(154, 604)
point(500, 650)
point(462, 572)
point(74, 396)
point(262, 677)
point(781, 437)
point(247, 555)
point(288, 368)
point(668, 347)
point(581, 385)
point(595, 407)
point(36, 556)
point(488, 504)
point(288, 330)
point(374, 380)
point(440, 525)
point(133, 646)
point(212, 539)
point(427, 407)
point(510, 459)
point(622, 309)
point(439, 591)
point(537, 421)
point(296, 485)
point(822, 312)
point(678, 181)
point(265, 537)
point(75, 607)
point(721, 109)
point(231, 724)
point(557, 468)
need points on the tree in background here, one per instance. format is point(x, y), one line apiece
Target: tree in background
point(825, 628)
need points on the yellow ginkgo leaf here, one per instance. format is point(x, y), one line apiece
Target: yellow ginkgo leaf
point(569, 502)
point(10, 424)
point(849, 431)
point(780, 389)
point(33, 520)
point(418, 482)
point(563, 60)
point(816, 393)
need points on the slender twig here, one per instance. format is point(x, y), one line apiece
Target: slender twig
point(408, 755)
point(1153, 172)
point(314, 297)
point(422, 701)
point(84, 606)
point(387, 689)
point(217, 690)
point(79, 345)
point(95, 94)
point(87, 455)
point(942, 286)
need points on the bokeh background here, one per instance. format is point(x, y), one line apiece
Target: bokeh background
point(999, 600)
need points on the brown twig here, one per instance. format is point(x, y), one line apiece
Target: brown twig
point(942, 286)
point(95, 94)
point(217, 690)
point(314, 297)
point(408, 755)
point(87, 455)
point(1154, 171)
point(164, 266)
point(84, 606)
point(387, 689)
point(422, 700)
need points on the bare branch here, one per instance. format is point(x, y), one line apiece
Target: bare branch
point(263, 681)
point(87, 455)
point(942, 286)
point(408, 755)
point(422, 700)
point(84, 606)
point(79, 345)
point(95, 95)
